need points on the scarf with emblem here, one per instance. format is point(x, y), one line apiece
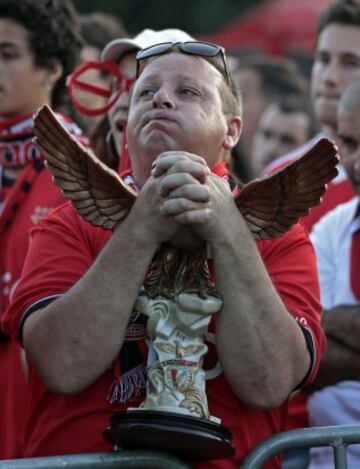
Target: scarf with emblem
point(16, 146)
point(18, 151)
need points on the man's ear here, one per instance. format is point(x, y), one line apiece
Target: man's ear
point(234, 127)
point(53, 73)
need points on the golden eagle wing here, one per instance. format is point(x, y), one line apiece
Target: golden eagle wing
point(191, 350)
point(97, 192)
point(273, 204)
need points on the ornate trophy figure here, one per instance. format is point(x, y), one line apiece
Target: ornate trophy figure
point(179, 315)
point(178, 296)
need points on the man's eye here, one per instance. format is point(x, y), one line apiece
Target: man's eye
point(348, 144)
point(351, 63)
point(188, 92)
point(322, 58)
point(146, 92)
point(266, 133)
point(287, 139)
point(5, 55)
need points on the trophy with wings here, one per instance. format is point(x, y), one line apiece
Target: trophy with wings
point(178, 296)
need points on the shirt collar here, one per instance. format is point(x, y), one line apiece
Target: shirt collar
point(357, 209)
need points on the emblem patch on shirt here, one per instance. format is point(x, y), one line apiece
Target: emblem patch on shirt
point(39, 213)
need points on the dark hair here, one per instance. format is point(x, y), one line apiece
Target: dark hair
point(53, 33)
point(294, 104)
point(345, 12)
point(97, 29)
point(278, 76)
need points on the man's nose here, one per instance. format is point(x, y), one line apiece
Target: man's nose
point(162, 99)
point(271, 148)
point(123, 100)
point(331, 73)
point(272, 142)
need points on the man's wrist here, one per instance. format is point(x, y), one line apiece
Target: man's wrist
point(138, 234)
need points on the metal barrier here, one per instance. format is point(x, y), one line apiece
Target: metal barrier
point(336, 436)
point(133, 459)
point(339, 437)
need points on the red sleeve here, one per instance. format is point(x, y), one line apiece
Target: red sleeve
point(60, 252)
point(335, 195)
point(291, 263)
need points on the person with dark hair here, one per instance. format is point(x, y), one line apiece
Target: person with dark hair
point(336, 64)
point(97, 30)
point(341, 19)
point(184, 117)
point(336, 238)
point(262, 80)
point(39, 46)
point(52, 32)
point(283, 126)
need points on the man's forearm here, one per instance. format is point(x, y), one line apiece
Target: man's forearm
point(82, 331)
point(343, 325)
point(337, 364)
point(261, 348)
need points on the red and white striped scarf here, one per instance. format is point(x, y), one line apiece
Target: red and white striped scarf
point(16, 145)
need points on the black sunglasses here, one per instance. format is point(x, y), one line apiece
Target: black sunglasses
point(202, 49)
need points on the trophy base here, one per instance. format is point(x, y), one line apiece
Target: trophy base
point(185, 436)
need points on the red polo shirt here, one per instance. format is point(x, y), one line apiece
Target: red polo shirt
point(63, 424)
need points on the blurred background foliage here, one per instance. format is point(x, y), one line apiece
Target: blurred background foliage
point(194, 16)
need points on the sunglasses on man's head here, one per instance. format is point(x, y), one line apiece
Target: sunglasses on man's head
point(202, 49)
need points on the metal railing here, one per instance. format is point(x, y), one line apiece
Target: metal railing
point(130, 459)
point(339, 437)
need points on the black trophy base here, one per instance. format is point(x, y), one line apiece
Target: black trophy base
point(188, 437)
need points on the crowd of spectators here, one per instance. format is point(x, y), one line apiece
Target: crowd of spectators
point(185, 129)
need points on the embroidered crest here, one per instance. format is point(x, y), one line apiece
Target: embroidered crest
point(39, 213)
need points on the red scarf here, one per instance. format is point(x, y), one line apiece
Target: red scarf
point(16, 146)
point(18, 150)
